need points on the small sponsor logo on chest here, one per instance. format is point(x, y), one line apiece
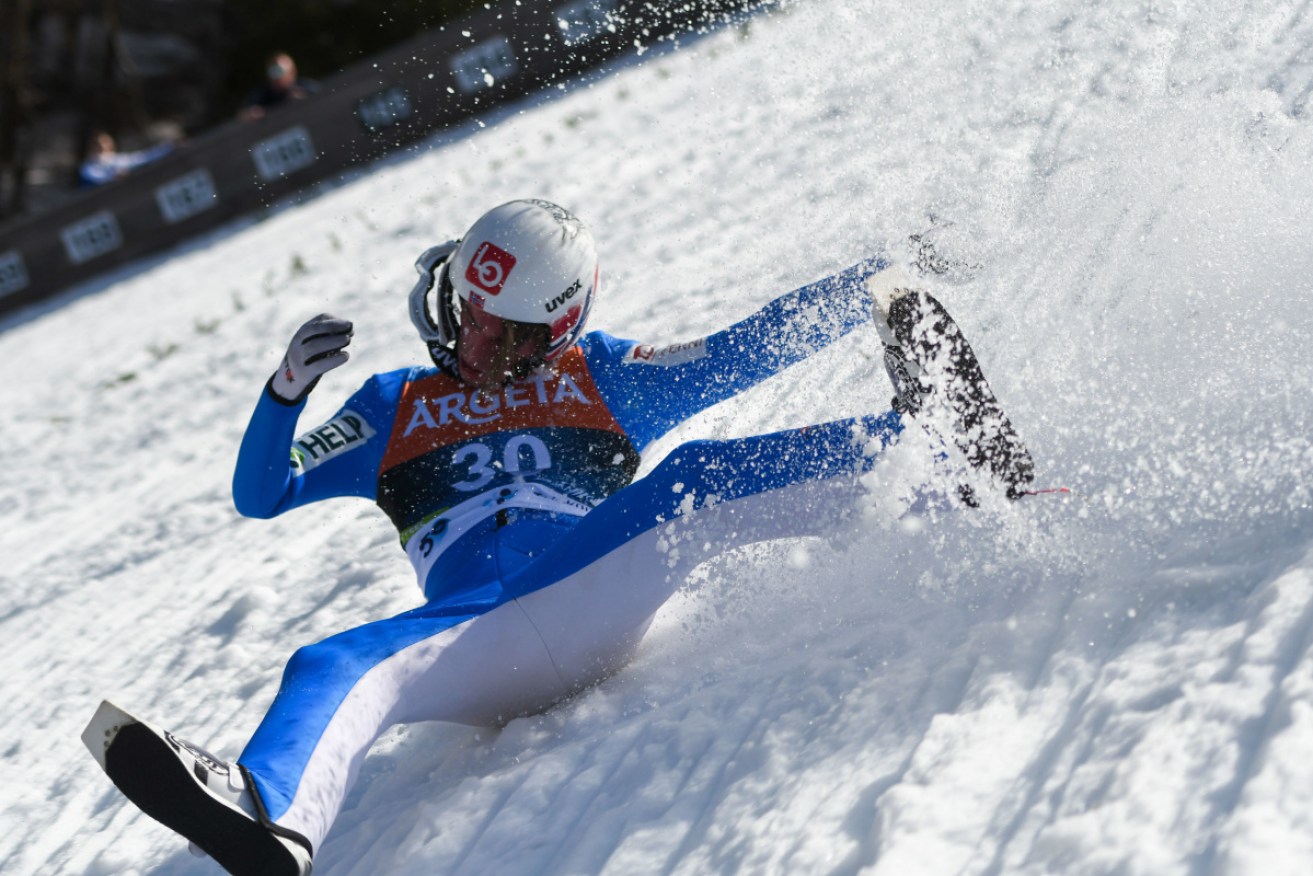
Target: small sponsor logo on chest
point(674, 354)
point(475, 407)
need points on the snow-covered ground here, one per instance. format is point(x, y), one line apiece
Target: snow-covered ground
point(1117, 683)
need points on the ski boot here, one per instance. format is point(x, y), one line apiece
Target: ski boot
point(936, 374)
point(211, 803)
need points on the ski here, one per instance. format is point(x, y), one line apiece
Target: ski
point(934, 371)
point(192, 793)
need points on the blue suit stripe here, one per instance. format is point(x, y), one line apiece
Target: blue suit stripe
point(316, 681)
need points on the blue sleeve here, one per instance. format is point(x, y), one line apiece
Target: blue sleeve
point(146, 156)
point(95, 173)
point(650, 390)
point(277, 471)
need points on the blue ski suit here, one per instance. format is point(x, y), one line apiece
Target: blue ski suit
point(541, 558)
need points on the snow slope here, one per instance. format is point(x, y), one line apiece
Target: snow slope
point(1118, 683)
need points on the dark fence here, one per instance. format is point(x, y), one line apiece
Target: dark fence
point(468, 66)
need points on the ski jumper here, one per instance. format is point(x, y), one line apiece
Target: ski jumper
point(541, 559)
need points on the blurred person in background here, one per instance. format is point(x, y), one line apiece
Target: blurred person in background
point(281, 85)
point(105, 163)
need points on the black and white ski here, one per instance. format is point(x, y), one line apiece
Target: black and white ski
point(193, 793)
point(936, 375)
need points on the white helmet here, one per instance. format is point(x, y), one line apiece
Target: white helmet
point(528, 261)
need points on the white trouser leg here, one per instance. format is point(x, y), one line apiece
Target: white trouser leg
point(484, 671)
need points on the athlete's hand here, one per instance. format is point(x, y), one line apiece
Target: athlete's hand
point(317, 347)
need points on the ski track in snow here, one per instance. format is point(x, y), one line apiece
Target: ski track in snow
point(1116, 683)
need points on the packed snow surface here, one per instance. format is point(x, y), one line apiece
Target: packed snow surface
point(1119, 197)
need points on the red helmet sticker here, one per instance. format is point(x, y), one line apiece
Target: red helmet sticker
point(490, 267)
point(567, 322)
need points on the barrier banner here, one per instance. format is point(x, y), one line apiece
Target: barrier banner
point(509, 50)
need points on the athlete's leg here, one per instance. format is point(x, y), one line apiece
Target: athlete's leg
point(623, 562)
point(339, 695)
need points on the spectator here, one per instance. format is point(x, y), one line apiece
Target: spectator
point(281, 85)
point(105, 163)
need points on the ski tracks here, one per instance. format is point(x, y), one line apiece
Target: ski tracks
point(1193, 707)
point(1273, 760)
point(670, 765)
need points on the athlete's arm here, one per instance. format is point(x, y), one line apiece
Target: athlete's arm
point(653, 389)
point(277, 471)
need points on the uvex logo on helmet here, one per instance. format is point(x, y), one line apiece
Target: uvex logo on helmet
point(490, 267)
point(565, 296)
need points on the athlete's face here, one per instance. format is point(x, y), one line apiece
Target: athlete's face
point(492, 352)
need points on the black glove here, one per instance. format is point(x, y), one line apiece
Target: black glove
point(317, 347)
